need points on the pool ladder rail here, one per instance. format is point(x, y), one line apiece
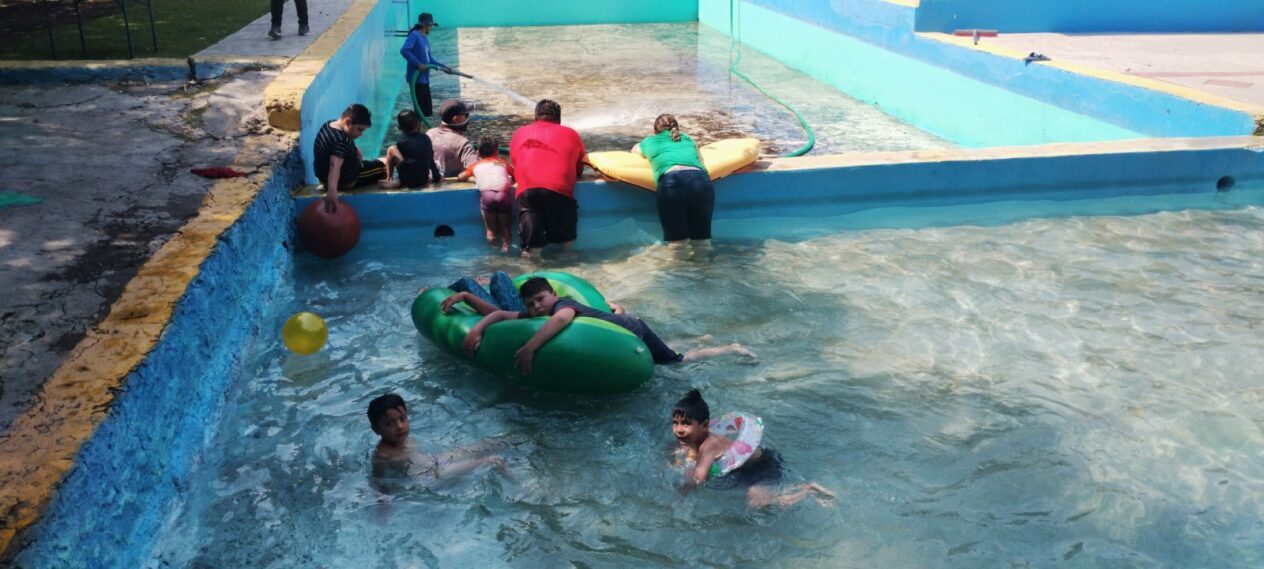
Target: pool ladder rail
point(408, 17)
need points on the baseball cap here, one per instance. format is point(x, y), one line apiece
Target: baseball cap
point(451, 108)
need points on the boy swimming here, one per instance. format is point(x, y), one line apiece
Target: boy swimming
point(396, 455)
point(702, 452)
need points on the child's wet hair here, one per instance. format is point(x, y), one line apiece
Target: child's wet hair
point(409, 122)
point(359, 115)
point(692, 406)
point(534, 286)
point(488, 147)
point(380, 405)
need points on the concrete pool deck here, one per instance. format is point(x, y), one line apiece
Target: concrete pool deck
point(1228, 65)
point(66, 259)
point(1224, 70)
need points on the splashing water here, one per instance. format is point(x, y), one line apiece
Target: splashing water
point(517, 97)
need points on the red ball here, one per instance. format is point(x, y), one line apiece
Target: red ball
point(329, 235)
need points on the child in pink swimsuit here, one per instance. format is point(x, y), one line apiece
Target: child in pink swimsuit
point(494, 178)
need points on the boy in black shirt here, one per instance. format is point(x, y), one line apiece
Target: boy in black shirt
point(338, 164)
point(541, 300)
point(413, 155)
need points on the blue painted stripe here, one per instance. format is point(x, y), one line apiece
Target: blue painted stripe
point(1081, 16)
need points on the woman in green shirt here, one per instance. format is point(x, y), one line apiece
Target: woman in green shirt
point(685, 194)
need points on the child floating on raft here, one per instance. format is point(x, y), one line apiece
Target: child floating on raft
point(541, 300)
point(736, 462)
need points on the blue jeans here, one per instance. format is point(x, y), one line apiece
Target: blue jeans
point(504, 295)
point(685, 201)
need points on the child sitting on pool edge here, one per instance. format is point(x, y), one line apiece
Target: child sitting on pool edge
point(701, 449)
point(541, 300)
point(397, 455)
point(494, 178)
point(412, 158)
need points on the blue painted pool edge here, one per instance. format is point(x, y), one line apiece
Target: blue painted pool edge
point(110, 508)
point(1085, 16)
point(1141, 175)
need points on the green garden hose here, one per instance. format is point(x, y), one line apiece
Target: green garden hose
point(807, 147)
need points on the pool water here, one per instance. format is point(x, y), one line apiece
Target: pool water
point(613, 80)
point(1082, 389)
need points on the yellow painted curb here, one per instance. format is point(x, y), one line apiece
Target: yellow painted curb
point(1256, 111)
point(284, 97)
point(41, 445)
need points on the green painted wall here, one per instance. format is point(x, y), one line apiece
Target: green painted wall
point(963, 110)
point(555, 12)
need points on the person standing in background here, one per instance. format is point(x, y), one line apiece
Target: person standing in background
point(416, 51)
point(300, 6)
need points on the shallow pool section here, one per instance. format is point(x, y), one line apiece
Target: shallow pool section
point(613, 80)
point(1076, 389)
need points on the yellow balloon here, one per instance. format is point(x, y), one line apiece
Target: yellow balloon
point(304, 333)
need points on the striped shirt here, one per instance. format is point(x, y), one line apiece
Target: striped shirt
point(333, 142)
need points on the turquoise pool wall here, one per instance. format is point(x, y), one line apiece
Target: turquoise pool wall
point(112, 506)
point(367, 69)
point(1007, 189)
point(1086, 16)
point(492, 13)
point(967, 96)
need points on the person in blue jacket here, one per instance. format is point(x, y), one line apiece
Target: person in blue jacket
point(417, 51)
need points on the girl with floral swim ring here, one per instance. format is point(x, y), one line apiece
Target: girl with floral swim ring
point(706, 452)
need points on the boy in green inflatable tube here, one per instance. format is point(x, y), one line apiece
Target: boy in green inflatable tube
point(541, 300)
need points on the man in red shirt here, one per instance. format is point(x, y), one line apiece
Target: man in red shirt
point(547, 158)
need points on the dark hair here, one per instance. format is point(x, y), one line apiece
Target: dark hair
point(380, 405)
point(409, 122)
point(359, 114)
point(488, 146)
point(667, 122)
point(548, 110)
point(534, 286)
point(691, 406)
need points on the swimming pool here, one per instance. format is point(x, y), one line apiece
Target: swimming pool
point(613, 80)
point(1071, 388)
point(943, 478)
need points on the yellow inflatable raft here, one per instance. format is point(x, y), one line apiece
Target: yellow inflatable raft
point(721, 158)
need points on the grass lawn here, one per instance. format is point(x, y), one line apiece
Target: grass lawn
point(184, 28)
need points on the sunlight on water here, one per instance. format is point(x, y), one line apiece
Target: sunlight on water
point(1084, 389)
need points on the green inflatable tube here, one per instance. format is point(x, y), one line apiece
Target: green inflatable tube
point(590, 356)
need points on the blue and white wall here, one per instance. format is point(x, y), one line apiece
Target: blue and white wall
point(1091, 16)
point(868, 49)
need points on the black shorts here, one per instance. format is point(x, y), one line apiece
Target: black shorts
point(413, 174)
point(370, 172)
point(545, 216)
point(764, 471)
point(423, 98)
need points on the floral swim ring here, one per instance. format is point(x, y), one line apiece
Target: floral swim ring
point(746, 432)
